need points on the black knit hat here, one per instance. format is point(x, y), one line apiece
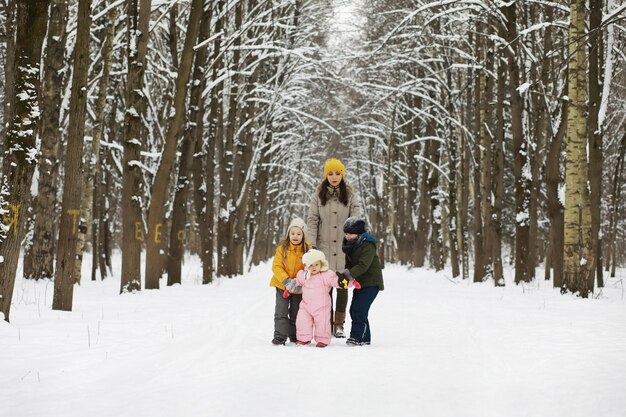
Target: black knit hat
point(354, 225)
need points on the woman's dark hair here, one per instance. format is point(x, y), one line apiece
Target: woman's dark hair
point(344, 192)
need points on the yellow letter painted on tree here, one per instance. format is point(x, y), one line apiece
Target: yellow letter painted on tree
point(74, 213)
point(138, 231)
point(157, 233)
point(11, 217)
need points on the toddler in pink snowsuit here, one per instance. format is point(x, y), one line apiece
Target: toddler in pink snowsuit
point(316, 281)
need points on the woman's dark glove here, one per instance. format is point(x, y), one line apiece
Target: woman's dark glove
point(342, 281)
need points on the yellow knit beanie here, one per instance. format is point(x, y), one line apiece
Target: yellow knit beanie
point(334, 165)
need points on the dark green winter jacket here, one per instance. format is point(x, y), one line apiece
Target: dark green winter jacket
point(362, 261)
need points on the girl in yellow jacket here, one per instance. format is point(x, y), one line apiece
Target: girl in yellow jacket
point(287, 263)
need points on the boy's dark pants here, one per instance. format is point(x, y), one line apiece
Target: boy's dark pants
point(359, 310)
point(285, 314)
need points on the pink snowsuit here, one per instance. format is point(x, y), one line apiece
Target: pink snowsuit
point(315, 305)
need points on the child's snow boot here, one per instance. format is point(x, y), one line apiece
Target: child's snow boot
point(338, 325)
point(301, 343)
point(278, 341)
point(320, 344)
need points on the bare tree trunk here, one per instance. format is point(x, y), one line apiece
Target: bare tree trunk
point(245, 167)
point(93, 161)
point(520, 153)
point(555, 208)
point(480, 164)
point(412, 190)
point(179, 213)
point(19, 146)
point(106, 207)
point(497, 183)
point(168, 157)
point(535, 144)
point(390, 207)
point(261, 240)
point(615, 204)
point(578, 242)
point(436, 252)
point(484, 189)
point(226, 254)
point(214, 145)
point(423, 224)
point(453, 221)
point(132, 193)
point(41, 256)
point(9, 66)
point(64, 278)
point(173, 35)
point(464, 185)
point(596, 52)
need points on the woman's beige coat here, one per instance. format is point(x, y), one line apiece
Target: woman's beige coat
point(325, 225)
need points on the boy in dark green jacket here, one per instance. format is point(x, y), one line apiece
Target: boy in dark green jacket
point(363, 265)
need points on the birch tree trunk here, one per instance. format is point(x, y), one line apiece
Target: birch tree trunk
point(132, 193)
point(65, 277)
point(578, 239)
point(19, 147)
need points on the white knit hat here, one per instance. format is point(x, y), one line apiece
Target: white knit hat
point(297, 222)
point(314, 255)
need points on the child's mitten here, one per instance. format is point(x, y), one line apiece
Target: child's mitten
point(291, 287)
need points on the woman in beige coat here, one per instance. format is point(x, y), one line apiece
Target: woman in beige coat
point(332, 203)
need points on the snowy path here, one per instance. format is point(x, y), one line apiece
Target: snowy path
point(439, 349)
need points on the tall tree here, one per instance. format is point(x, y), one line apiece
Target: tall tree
point(20, 152)
point(520, 152)
point(7, 8)
point(227, 257)
point(192, 135)
point(65, 278)
point(93, 155)
point(132, 195)
point(594, 129)
point(615, 204)
point(168, 157)
point(578, 239)
point(39, 263)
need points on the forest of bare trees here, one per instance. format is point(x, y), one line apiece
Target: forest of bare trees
point(482, 135)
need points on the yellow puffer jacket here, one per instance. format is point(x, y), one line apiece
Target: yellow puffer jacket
point(287, 267)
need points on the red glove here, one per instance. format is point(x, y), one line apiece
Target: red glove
point(286, 294)
point(356, 284)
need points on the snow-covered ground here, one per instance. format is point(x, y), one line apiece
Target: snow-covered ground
point(439, 348)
